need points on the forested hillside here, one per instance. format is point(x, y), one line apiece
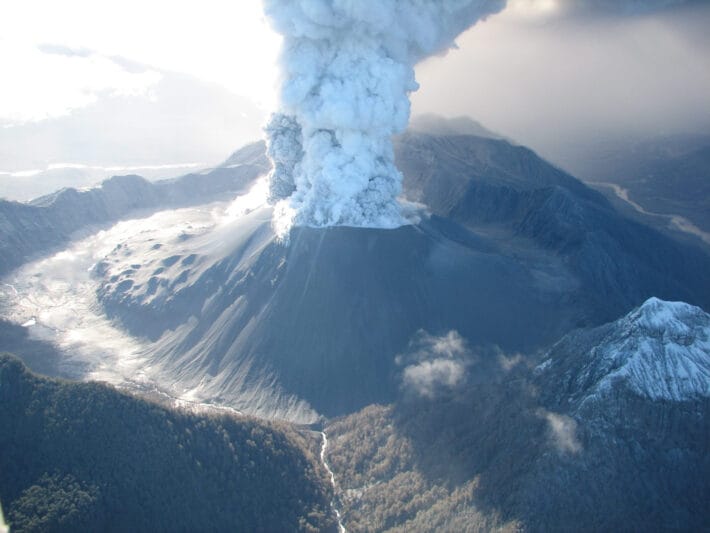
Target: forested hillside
point(86, 457)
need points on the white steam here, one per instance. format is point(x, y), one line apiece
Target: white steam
point(428, 378)
point(562, 431)
point(434, 365)
point(348, 70)
point(347, 73)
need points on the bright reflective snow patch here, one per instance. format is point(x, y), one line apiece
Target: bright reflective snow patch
point(661, 350)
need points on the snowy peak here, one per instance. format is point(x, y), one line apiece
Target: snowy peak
point(674, 320)
point(661, 350)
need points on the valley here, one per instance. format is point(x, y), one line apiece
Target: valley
point(455, 276)
point(438, 371)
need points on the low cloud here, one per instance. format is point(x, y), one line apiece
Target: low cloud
point(563, 432)
point(434, 365)
point(508, 362)
point(429, 378)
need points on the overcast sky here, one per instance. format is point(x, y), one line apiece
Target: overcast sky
point(554, 78)
point(174, 82)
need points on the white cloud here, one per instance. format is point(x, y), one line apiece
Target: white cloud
point(563, 432)
point(221, 41)
point(424, 345)
point(428, 378)
point(434, 364)
point(38, 85)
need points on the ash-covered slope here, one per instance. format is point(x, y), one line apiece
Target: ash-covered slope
point(30, 229)
point(516, 254)
point(325, 315)
point(85, 457)
point(576, 444)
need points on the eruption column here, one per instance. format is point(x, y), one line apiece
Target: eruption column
point(347, 72)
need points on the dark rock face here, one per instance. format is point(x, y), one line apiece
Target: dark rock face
point(28, 230)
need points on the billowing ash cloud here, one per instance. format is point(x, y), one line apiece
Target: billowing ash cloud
point(348, 70)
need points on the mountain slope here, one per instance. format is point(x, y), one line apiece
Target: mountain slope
point(516, 254)
point(667, 175)
point(324, 316)
point(47, 223)
point(484, 183)
point(86, 457)
point(539, 450)
point(660, 351)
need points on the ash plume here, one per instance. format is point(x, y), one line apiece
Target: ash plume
point(347, 72)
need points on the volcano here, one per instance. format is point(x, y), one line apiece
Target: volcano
point(506, 250)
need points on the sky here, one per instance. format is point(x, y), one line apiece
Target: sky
point(558, 80)
point(90, 88)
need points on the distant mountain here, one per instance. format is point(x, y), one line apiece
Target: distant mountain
point(30, 229)
point(666, 175)
point(624, 160)
point(515, 254)
point(491, 186)
point(85, 457)
point(35, 183)
point(127, 131)
point(611, 432)
point(660, 351)
point(677, 185)
point(438, 125)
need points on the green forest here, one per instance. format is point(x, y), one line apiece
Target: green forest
point(86, 457)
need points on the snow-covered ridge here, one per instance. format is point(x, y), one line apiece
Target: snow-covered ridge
point(661, 350)
point(669, 319)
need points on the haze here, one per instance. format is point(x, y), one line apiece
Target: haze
point(193, 83)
